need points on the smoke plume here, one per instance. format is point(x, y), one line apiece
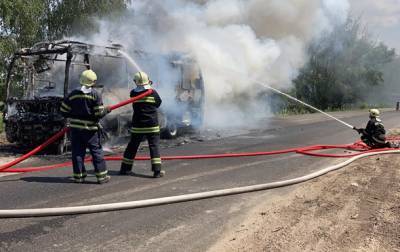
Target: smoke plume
point(234, 42)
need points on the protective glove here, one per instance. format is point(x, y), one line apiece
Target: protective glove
point(359, 131)
point(105, 111)
point(67, 123)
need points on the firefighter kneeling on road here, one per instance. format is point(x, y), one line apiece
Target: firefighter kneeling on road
point(84, 107)
point(144, 124)
point(374, 133)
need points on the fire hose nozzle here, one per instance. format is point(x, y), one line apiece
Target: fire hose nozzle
point(359, 131)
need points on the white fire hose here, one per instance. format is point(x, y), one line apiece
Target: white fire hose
point(57, 211)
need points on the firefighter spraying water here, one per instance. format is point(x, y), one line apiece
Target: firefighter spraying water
point(373, 134)
point(84, 108)
point(144, 125)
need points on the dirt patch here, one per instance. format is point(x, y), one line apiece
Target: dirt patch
point(353, 209)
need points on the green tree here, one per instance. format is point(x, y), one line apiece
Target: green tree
point(20, 25)
point(26, 22)
point(343, 65)
point(77, 17)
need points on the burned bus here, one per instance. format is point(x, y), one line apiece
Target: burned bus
point(40, 77)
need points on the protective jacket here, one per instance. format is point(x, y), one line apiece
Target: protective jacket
point(145, 117)
point(84, 109)
point(376, 130)
point(374, 134)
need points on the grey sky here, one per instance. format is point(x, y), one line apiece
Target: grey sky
point(382, 18)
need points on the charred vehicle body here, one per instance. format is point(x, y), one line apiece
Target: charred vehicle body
point(40, 77)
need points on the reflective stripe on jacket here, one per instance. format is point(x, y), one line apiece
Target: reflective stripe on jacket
point(83, 124)
point(145, 115)
point(83, 109)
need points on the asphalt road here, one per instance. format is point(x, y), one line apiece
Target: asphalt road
point(190, 226)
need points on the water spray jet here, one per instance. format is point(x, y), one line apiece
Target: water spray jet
point(131, 60)
point(290, 97)
point(303, 103)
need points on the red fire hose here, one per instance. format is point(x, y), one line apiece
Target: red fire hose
point(123, 103)
point(308, 150)
point(65, 130)
point(36, 150)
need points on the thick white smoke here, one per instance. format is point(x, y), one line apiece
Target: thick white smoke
point(234, 41)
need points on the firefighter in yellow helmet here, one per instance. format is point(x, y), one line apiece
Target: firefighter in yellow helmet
point(144, 125)
point(84, 108)
point(374, 133)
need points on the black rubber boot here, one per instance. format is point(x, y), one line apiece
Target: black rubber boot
point(125, 172)
point(103, 180)
point(158, 174)
point(79, 180)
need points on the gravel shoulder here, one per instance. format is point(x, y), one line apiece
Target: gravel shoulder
point(354, 209)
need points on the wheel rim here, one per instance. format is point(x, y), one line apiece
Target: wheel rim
point(172, 130)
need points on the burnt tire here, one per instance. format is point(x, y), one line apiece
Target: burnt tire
point(170, 132)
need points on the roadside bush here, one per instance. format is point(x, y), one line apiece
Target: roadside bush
point(344, 65)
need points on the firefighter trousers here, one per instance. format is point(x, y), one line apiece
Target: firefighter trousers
point(375, 143)
point(82, 139)
point(130, 152)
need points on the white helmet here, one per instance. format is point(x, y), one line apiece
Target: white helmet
point(88, 78)
point(141, 79)
point(374, 113)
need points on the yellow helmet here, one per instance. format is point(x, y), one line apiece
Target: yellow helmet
point(88, 78)
point(141, 79)
point(374, 113)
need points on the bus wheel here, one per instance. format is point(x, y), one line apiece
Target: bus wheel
point(171, 131)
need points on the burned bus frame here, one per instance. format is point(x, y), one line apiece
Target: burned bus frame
point(30, 121)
